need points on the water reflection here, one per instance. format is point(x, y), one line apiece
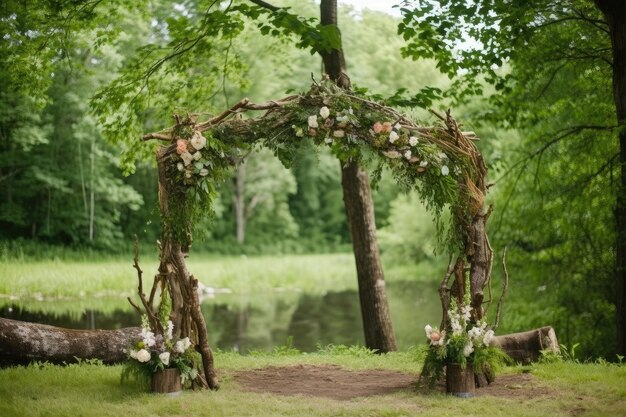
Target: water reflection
point(245, 322)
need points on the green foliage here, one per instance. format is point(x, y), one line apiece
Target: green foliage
point(284, 350)
point(352, 350)
point(541, 66)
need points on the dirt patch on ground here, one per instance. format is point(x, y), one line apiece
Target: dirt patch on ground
point(335, 382)
point(330, 381)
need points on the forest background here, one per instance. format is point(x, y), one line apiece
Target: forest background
point(548, 141)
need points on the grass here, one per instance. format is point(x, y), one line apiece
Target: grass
point(94, 390)
point(58, 279)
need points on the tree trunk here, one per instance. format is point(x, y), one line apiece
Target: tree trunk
point(182, 286)
point(360, 213)
point(91, 190)
point(526, 347)
point(615, 14)
point(240, 201)
point(22, 342)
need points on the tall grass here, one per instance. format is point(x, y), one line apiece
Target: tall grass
point(116, 277)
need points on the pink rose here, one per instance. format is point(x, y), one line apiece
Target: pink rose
point(377, 127)
point(181, 146)
point(387, 127)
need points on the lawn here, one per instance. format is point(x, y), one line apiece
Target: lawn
point(558, 389)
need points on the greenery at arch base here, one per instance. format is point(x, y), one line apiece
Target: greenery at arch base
point(437, 161)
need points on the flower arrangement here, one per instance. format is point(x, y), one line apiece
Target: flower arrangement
point(191, 163)
point(157, 352)
point(464, 342)
point(393, 140)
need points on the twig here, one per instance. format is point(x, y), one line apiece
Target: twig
point(205, 125)
point(158, 136)
point(489, 278)
point(444, 293)
point(505, 287)
point(154, 322)
point(135, 306)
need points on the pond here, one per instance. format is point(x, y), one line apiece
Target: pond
point(260, 321)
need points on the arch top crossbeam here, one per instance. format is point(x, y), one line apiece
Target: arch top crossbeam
point(440, 161)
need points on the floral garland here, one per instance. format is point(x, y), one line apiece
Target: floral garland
point(431, 159)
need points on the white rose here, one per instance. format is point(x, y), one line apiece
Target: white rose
point(339, 133)
point(204, 172)
point(428, 330)
point(324, 112)
point(188, 174)
point(165, 358)
point(143, 355)
point(328, 140)
point(313, 122)
point(198, 141)
point(393, 136)
point(180, 166)
point(182, 345)
point(186, 157)
point(424, 164)
point(413, 141)
point(445, 170)
point(407, 154)
point(197, 156)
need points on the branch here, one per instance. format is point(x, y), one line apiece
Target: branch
point(154, 321)
point(256, 199)
point(265, 5)
point(159, 136)
point(505, 287)
point(271, 104)
point(205, 125)
point(444, 294)
point(566, 132)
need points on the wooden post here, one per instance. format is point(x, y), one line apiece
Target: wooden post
point(166, 381)
point(460, 381)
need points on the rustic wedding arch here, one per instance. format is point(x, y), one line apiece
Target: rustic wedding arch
point(440, 161)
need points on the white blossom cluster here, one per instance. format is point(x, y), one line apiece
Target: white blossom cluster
point(335, 128)
point(477, 336)
point(189, 151)
point(158, 345)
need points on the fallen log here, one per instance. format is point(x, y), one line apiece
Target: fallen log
point(22, 342)
point(526, 347)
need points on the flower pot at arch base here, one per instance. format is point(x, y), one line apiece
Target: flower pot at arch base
point(166, 381)
point(460, 381)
